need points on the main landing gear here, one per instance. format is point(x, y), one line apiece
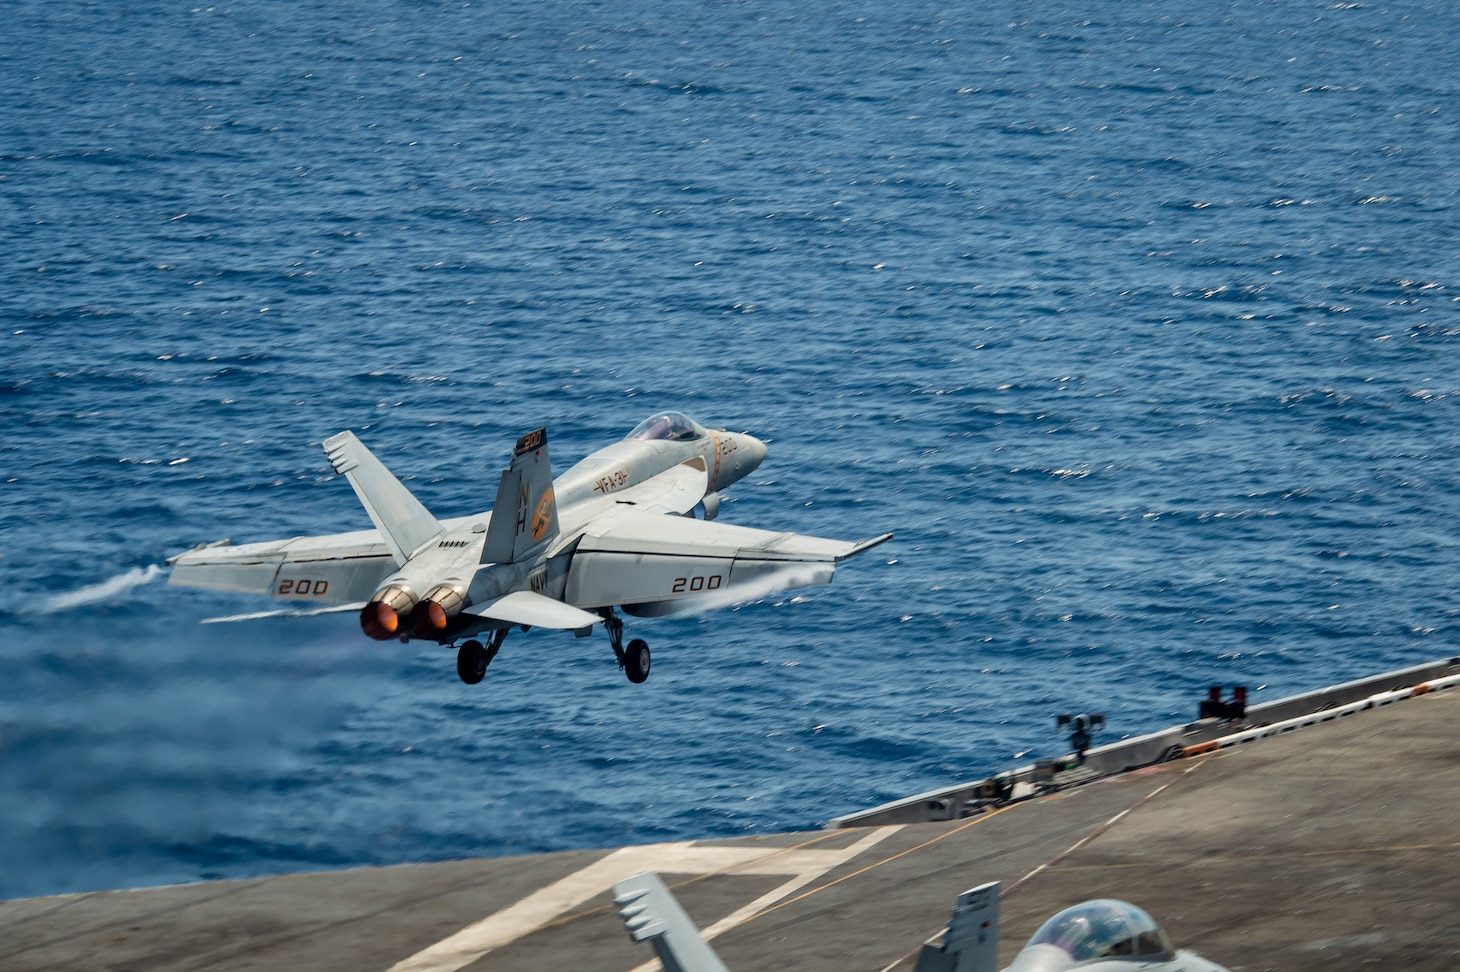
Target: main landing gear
point(472, 658)
point(634, 659)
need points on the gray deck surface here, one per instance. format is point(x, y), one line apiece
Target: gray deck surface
point(1337, 847)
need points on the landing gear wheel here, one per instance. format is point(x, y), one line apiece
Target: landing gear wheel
point(472, 661)
point(636, 660)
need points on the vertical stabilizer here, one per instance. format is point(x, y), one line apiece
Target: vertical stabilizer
point(651, 914)
point(406, 525)
point(971, 940)
point(524, 515)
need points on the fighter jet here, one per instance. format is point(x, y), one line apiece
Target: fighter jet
point(1096, 936)
point(628, 527)
point(1104, 935)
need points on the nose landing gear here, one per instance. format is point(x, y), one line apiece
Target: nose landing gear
point(634, 659)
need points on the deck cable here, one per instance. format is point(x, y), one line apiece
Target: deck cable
point(1004, 893)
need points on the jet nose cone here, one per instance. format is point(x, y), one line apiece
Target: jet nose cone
point(736, 456)
point(754, 451)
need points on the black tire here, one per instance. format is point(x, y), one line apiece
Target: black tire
point(636, 660)
point(471, 662)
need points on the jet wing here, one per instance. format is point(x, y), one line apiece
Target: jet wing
point(335, 569)
point(654, 564)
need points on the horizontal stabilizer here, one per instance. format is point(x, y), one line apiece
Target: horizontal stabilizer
point(535, 610)
point(406, 525)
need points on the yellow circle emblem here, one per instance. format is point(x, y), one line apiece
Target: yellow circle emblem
point(542, 514)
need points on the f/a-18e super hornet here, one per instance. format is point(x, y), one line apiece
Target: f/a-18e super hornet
point(619, 529)
point(1105, 935)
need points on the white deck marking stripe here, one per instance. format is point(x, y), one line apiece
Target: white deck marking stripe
point(811, 873)
point(541, 907)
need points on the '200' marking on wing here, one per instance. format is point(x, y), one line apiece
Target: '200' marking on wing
point(686, 585)
point(304, 587)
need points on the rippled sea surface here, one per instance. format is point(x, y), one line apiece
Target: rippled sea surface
point(1137, 322)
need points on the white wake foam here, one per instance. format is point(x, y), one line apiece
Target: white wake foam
point(105, 591)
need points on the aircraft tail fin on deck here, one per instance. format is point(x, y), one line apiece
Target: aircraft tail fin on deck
point(525, 514)
point(650, 913)
point(406, 525)
point(971, 940)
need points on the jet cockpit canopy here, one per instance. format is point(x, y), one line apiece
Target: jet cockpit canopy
point(673, 426)
point(1102, 929)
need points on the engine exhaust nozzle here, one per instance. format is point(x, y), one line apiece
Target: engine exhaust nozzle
point(386, 613)
point(439, 608)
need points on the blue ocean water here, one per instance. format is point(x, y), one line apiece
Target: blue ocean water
point(1137, 322)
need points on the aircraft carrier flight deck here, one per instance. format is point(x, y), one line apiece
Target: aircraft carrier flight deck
point(1318, 832)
